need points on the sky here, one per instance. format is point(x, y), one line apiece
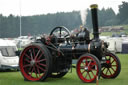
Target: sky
point(35, 7)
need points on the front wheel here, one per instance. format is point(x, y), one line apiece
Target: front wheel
point(88, 68)
point(112, 67)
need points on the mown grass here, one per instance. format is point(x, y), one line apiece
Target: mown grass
point(106, 34)
point(126, 28)
point(15, 78)
point(111, 33)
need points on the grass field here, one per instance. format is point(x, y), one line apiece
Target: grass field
point(15, 78)
point(111, 33)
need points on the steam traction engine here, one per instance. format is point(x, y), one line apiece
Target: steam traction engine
point(52, 56)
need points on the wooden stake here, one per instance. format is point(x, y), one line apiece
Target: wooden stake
point(97, 80)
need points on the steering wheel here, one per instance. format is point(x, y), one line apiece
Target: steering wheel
point(60, 32)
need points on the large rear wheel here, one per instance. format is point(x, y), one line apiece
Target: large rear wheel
point(88, 68)
point(112, 67)
point(35, 62)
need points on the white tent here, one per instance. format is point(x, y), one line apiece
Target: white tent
point(115, 44)
point(118, 44)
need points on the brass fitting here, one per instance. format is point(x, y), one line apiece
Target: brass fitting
point(93, 6)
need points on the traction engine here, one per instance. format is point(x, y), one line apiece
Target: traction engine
point(52, 56)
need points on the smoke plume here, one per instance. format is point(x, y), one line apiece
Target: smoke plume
point(83, 14)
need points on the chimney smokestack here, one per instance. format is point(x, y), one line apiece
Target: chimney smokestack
point(94, 8)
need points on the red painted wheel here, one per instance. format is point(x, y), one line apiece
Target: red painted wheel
point(88, 68)
point(35, 62)
point(112, 67)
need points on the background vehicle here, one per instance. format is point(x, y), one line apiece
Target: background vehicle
point(8, 57)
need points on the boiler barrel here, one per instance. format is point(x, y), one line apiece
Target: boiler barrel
point(75, 52)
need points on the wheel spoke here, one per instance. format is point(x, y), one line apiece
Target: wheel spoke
point(41, 60)
point(113, 69)
point(37, 54)
point(89, 63)
point(86, 75)
point(33, 52)
point(83, 71)
point(38, 70)
point(112, 61)
point(103, 69)
point(40, 56)
point(27, 56)
point(83, 63)
point(41, 68)
point(35, 71)
point(86, 62)
point(29, 69)
point(28, 65)
point(32, 71)
point(110, 58)
point(89, 75)
point(92, 73)
point(109, 71)
point(42, 64)
point(31, 55)
point(27, 60)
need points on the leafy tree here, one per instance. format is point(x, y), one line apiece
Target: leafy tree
point(105, 17)
point(123, 13)
point(38, 24)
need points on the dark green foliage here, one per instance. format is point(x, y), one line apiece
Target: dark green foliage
point(123, 13)
point(9, 25)
point(106, 17)
point(38, 24)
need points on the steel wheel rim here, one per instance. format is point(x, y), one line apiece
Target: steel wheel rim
point(33, 66)
point(90, 74)
point(112, 69)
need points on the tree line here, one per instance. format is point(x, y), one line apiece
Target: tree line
point(38, 24)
